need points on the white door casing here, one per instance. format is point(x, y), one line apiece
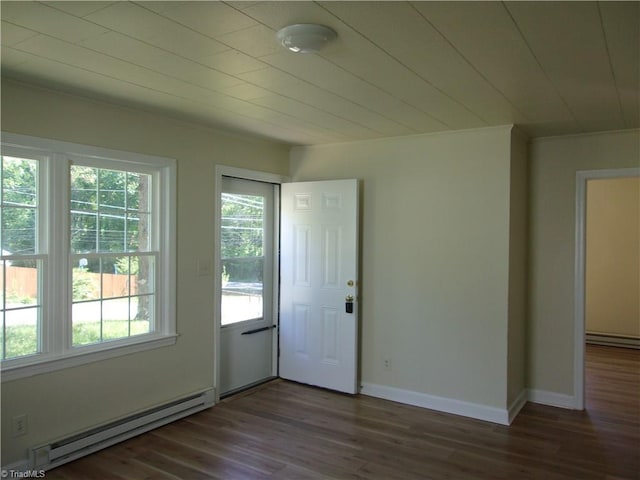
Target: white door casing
point(319, 266)
point(579, 296)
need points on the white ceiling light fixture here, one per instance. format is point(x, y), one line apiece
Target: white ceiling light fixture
point(305, 37)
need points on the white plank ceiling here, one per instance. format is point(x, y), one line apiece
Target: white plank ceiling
point(397, 68)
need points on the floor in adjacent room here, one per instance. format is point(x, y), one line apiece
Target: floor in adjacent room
point(286, 430)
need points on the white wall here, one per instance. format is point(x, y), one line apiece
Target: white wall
point(75, 399)
point(435, 258)
point(554, 163)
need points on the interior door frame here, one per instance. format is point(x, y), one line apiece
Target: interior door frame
point(244, 174)
point(582, 177)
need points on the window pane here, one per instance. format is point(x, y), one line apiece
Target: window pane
point(242, 235)
point(115, 318)
point(111, 188)
point(138, 232)
point(21, 332)
point(20, 308)
point(21, 283)
point(115, 277)
point(18, 230)
point(86, 323)
point(84, 232)
point(139, 212)
point(141, 318)
point(85, 284)
point(84, 189)
point(139, 192)
point(242, 289)
point(111, 235)
point(142, 275)
point(143, 285)
point(242, 225)
point(19, 182)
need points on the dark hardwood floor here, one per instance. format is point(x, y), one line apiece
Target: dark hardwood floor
point(284, 430)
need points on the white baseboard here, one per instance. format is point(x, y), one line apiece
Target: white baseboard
point(518, 403)
point(612, 340)
point(552, 399)
point(441, 404)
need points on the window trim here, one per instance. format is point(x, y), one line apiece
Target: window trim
point(57, 352)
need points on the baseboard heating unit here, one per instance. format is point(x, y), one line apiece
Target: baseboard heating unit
point(51, 455)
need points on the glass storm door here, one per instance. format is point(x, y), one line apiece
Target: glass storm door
point(247, 255)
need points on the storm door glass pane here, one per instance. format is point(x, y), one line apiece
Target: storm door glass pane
point(242, 247)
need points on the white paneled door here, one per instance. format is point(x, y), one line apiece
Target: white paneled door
point(319, 285)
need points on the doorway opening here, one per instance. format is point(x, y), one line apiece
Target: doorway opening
point(580, 295)
point(315, 322)
point(246, 286)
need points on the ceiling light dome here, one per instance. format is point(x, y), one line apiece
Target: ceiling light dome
point(305, 37)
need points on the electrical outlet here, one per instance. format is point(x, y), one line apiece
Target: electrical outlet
point(386, 364)
point(19, 425)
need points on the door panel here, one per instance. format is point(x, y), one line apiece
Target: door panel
point(245, 359)
point(319, 265)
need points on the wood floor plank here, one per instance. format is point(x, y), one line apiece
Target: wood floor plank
point(176, 467)
point(218, 466)
point(190, 435)
point(130, 468)
point(284, 430)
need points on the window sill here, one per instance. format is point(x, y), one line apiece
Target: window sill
point(39, 364)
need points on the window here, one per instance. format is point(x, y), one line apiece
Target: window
point(111, 256)
point(88, 261)
point(22, 260)
point(242, 251)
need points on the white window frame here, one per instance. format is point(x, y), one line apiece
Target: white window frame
point(56, 157)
